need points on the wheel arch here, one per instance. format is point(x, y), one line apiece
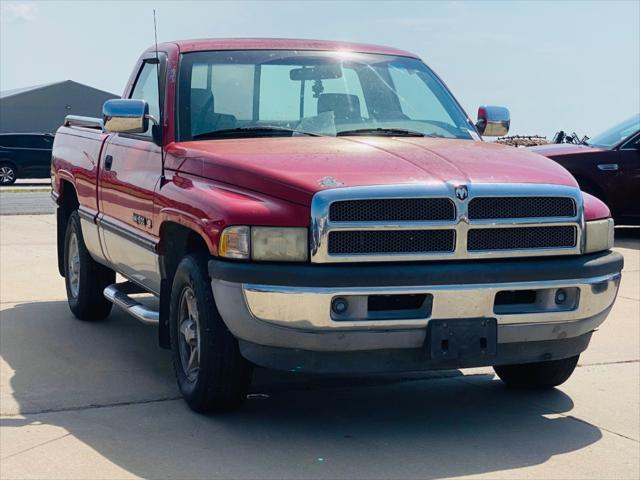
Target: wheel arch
point(67, 204)
point(176, 241)
point(8, 161)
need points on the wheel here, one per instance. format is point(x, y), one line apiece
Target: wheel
point(537, 375)
point(211, 372)
point(84, 278)
point(7, 174)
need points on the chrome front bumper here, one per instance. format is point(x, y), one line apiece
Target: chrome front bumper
point(300, 317)
point(310, 308)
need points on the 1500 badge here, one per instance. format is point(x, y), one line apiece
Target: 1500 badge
point(142, 220)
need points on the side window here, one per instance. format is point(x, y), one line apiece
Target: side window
point(44, 142)
point(47, 141)
point(26, 141)
point(7, 141)
point(633, 144)
point(146, 88)
point(31, 141)
point(417, 101)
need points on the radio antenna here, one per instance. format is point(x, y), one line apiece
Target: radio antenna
point(160, 120)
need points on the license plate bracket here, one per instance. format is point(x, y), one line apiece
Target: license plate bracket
point(463, 338)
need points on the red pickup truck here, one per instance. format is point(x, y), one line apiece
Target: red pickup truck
point(325, 207)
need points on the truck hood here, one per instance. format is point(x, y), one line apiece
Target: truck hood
point(296, 168)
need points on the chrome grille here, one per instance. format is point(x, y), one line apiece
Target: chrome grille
point(521, 207)
point(521, 238)
point(392, 241)
point(392, 209)
point(446, 221)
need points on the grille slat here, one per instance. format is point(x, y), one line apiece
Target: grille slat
point(521, 238)
point(392, 209)
point(391, 241)
point(484, 208)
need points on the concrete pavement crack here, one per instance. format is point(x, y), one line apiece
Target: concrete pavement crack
point(35, 446)
point(596, 364)
point(90, 407)
point(628, 298)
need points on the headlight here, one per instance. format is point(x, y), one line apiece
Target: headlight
point(275, 244)
point(234, 242)
point(279, 244)
point(599, 235)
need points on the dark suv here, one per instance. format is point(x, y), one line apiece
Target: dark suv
point(25, 155)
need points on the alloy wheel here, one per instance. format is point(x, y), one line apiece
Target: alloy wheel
point(7, 175)
point(189, 340)
point(73, 268)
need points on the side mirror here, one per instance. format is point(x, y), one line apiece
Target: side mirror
point(493, 121)
point(126, 115)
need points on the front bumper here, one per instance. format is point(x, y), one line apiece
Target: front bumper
point(289, 306)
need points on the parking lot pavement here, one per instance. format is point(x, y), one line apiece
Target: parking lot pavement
point(82, 400)
point(26, 202)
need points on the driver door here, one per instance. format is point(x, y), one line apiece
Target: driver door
point(131, 168)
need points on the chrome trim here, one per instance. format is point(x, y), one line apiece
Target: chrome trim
point(118, 294)
point(309, 308)
point(80, 121)
point(126, 115)
point(608, 167)
point(321, 225)
point(493, 121)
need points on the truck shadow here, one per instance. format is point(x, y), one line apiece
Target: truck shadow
point(627, 237)
point(432, 425)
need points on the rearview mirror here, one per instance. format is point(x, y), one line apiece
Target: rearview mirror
point(493, 121)
point(319, 72)
point(126, 115)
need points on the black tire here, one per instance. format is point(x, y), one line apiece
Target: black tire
point(8, 174)
point(222, 378)
point(537, 375)
point(86, 299)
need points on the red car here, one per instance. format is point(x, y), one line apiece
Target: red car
point(608, 166)
point(324, 207)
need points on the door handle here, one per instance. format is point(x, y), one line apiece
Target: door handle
point(108, 161)
point(608, 166)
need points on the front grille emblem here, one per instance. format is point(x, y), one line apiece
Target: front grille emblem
point(461, 192)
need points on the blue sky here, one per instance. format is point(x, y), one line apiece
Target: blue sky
point(557, 65)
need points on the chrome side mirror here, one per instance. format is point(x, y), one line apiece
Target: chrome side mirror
point(126, 115)
point(493, 121)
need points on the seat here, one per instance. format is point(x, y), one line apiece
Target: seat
point(345, 107)
point(203, 116)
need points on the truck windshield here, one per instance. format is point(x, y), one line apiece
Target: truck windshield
point(257, 93)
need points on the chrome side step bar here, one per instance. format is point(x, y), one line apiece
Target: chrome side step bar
point(118, 294)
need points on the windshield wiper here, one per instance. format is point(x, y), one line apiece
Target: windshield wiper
point(247, 131)
point(384, 131)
